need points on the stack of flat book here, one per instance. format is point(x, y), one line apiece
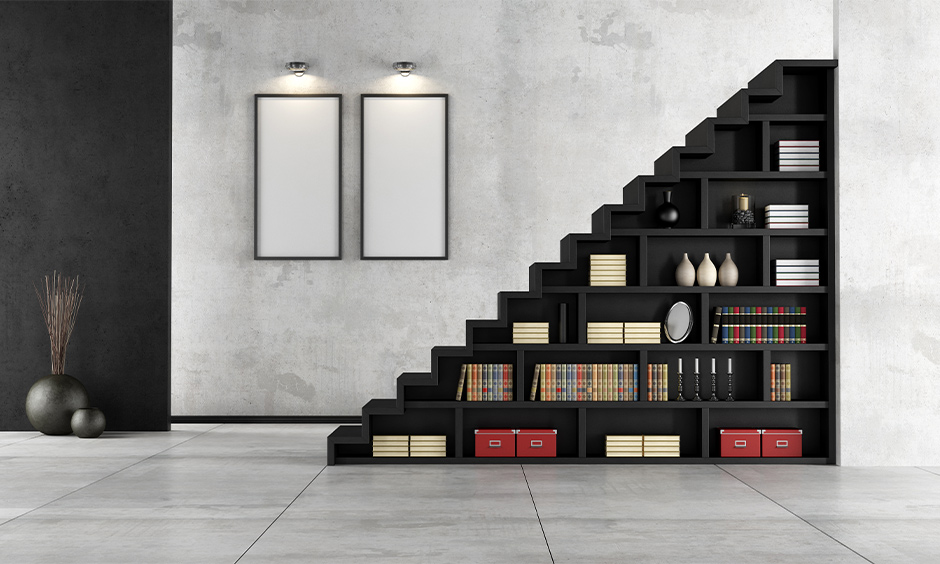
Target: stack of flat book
point(389, 445)
point(641, 333)
point(605, 333)
point(429, 446)
point(535, 333)
point(786, 216)
point(660, 445)
point(799, 156)
point(797, 272)
point(608, 270)
point(619, 446)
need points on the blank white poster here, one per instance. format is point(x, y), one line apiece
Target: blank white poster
point(404, 177)
point(297, 177)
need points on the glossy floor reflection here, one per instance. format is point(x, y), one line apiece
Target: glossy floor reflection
point(263, 493)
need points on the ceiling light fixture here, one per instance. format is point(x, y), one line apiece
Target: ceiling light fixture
point(404, 67)
point(297, 67)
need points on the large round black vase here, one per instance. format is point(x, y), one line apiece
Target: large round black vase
point(667, 214)
point(51, 402)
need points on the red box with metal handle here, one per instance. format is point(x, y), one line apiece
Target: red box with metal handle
point(495, 442)
point(536, 442)
point(781, 443)
point(740, 443)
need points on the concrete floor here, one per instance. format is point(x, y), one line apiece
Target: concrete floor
point(263, 493)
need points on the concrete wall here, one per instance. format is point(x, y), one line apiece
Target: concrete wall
point(890, 175)
point(554, 107)
point(85, 190)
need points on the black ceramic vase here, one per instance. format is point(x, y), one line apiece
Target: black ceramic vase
point(88, 423)
point(51, 402)
point(667, 214)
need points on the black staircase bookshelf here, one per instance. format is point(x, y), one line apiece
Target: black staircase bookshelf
point(724, 155)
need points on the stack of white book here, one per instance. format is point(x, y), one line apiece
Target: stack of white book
point(786, 216)
point(605, 333)
point(799, 156)
point(797, 272)
point(428, 446)
point(530, 332)
point(608, 270)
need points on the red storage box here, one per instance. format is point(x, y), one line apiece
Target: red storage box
point(781, 442)
point(740, 443)
point(495, 442)
point(536, 442)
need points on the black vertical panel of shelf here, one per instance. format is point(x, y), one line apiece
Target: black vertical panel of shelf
point(789, 100)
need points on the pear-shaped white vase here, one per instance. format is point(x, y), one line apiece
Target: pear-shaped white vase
point(707, 273)
point(728, 273)
point(685, 272)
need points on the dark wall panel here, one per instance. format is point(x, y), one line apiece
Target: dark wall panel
point(85, 179)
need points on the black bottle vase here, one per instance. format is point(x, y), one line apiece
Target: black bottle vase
point(667, 214)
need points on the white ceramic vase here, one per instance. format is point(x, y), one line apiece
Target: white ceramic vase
point(707, 273)
point(685, 272)
point(728, 273)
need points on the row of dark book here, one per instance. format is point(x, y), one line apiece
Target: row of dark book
point(759, 325)
point(485, 382)
point(586, 382)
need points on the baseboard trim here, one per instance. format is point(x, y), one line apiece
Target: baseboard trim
point(266, 419)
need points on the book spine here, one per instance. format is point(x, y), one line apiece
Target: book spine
point(802, 324)
point(590, 382)
point(724, 324)
point(788, 382)
point(665, 392)
point(463, 374)
point(716, 324)
point(773, 382)
point(628, 382)
point(636, 382)
point(737, 325)
point(649, 382)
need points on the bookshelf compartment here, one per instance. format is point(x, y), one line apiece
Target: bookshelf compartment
point(686, 423)
point(641, 308)
point(816, 318)
point(783, 247)
point(581, 276)
point(803, 131)
point(686, 195)
point(807, 374)
point(812, 421)
point(747, 365)
point(766, 192)
point(804, 92)
point(418, 422)
point(448, 375)
point(564, 420)
point(737, 148)
point(546, 309)
point(665, 253)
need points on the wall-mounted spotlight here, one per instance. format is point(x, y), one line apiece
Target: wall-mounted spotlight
point(404, 67)
point(297, 67)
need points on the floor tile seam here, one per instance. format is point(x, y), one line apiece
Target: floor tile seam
point(20, 441)
point(537, 516)
point(63, 496)
point(927, 471)
point(271, 524)
point(791, 512)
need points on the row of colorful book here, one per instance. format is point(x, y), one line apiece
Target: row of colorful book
point(608, 270)
point(623, 332)
point(786, 216)
point(798, 155)
point(780, 375)
point(413, 446)
point(657, 382)
point(642, 445)
point(586, 382)
point(796, 272)
point(759, 325)
point(485, 382)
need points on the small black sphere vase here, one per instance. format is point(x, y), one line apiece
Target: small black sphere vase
point(88, 423)
point(667, 214)
point(51, 402)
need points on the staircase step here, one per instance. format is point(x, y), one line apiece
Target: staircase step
point(382, 407)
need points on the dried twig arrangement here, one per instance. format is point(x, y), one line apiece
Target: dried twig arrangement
point(59, 309)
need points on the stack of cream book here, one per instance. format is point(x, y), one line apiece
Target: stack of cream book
point(641, 333)
point(604, 333)
point(660, 445)
point(389, 445)
point(624, 445)
point(608, 270)
point(429, 445)
point(533, 333)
